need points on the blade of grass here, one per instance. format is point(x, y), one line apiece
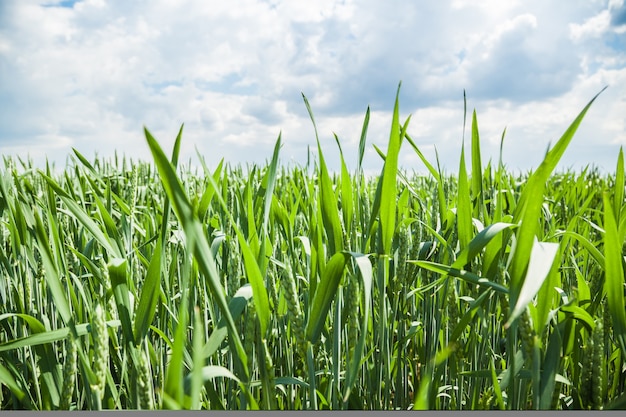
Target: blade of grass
point(463, 210)
point(366, 122)
point(328, 201)
point(529, 206)
point(270, 180)
point(254, 275)
point(83, 217)
point(346, 192)
point(618, 199)
point(7, 379)
point(389, 178)
point(194, 231)
point(441, 197)
point(365, 269)
point(118, 272)
point(149, 294)
point(542, 258)
point(325, 294)
point(477, 171)
point(614, 272)
point(464, 275)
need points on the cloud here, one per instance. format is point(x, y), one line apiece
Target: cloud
point(91, 73)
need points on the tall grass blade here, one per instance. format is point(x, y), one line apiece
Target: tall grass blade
point(528, 209)
point(328, 201)
point(52, 274)
point(441, 196)
point(118, 271)
point(83, 218)
point(346, 192)
point(464, 210)
point(477, 171)
point(49, 336)
point(253, 270)
point(7, 379)
point(150, 291)
point(366, 122)
point(325, 294)
point(194, 231)
point(542, 258)
point(367, 276)
point(618, 199)
point(389, 178)
point(552, 364)
point(614, 271)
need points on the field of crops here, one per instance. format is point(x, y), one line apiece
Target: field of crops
point(154, 285)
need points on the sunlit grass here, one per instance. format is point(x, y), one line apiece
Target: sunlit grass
point(129, 285)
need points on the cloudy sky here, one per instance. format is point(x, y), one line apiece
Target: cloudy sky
point(90, 74)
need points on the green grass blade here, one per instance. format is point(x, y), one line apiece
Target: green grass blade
point(253, 270)
point(366, 122)
point(86, 163)
point(477, 171)
point(552, 364)
point(49, 336)
point(441, 196)
point(196, 374)
point(325, 294)
point(618, 199)
point(52, 274)
point(174, 371)
point(464, 275)
point(149, 294)
point(269, 180)
point(7, 379)
point(464, 210)
point(479, 242)
point(367, 276)
point(83, 217)
point(468, 316)
point(542, 258)
point(614, 272)
point(328, 201)
point(496, 385)
point(389, 179)
point(528, 209)
point(236, 306)
point(118, 272)
point(194, 230)
point(346, 192)
point(207, 196)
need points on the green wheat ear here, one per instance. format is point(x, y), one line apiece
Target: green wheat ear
point(100, 339)
point(69, 374)
point(144, 381)
point(288, 284)
point(598, 373)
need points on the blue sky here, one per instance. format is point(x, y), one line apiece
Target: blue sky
point(90, 74)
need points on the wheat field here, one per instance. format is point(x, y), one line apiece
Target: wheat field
point(134, 285)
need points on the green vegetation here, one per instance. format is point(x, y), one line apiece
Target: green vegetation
point(137, 286)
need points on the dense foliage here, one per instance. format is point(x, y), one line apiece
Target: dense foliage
point(128, 285)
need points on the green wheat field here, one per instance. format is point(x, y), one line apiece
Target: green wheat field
point(132, 285)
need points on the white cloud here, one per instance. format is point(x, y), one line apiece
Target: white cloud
point(594, 27)
point(92, 74)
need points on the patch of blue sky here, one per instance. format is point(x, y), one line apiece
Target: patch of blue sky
point(157, 88)
point(616, 41)
point(461, 55)
point(68, 4)
point(230, 84)
point(618, 15)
